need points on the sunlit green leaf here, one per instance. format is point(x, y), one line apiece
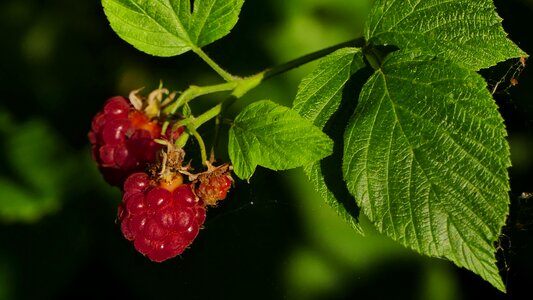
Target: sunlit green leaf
point(171, 27)
point(468, 32)
point(426, 158)
point(318, 98)
point(275, 137)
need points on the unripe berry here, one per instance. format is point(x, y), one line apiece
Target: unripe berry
point(213, 185)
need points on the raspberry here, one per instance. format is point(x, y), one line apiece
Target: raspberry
point(214, 184)
point(161, 218)
point(122, 140)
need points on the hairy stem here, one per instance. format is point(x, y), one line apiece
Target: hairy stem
point(238, 87)
point(359, 42)
point(195, 91)
point(194, 123)
point(201, 144)
point(223, 73)
point(206, 116)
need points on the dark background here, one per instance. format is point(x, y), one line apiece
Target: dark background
point(272, 238)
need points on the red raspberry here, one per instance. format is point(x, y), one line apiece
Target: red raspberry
point(162, 219)
point(122, 140)
point(214, 184)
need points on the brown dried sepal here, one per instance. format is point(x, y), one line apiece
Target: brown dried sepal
point(213, 185)
point(169, 164)
point(153, 103)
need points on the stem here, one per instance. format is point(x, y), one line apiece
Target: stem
point(200, 143)
point(201, 119)
point(246, 84)
point(195, 91)
point(215, 138)
point(206, 116)
point(238, 87)
point(359, 42)
point(194, 123)
point(182, 140)
point(197, 122)
point(223, 73)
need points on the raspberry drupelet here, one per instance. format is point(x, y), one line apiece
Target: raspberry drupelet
point(161, 218)
point(122, 140)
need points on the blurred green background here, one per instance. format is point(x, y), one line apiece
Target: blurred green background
point(272, 238)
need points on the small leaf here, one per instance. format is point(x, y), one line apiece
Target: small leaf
point(168, 27)
point(426, 157)
point(468, 32)
point(319, 97)
point(275, 137)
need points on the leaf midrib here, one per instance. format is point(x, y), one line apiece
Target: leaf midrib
point(180, 26)
point(415, 160)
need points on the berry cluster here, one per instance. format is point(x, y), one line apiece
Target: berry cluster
point(160, 213)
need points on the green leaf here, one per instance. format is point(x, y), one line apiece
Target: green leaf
point(275, 137)
point(319, 97)
point(468, 32)
point(168, 27)
point(426, 157)
point(320, 93)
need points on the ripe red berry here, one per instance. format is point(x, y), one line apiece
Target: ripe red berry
point(161, 219)
point(122, 140)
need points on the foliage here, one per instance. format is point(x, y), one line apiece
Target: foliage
point(396, 131)
point(275, 137)
point(425, 152)
point(167, 28)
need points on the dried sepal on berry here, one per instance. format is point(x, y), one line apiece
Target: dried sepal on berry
point(170, 161)
point(152, 104)
point(213, 185)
